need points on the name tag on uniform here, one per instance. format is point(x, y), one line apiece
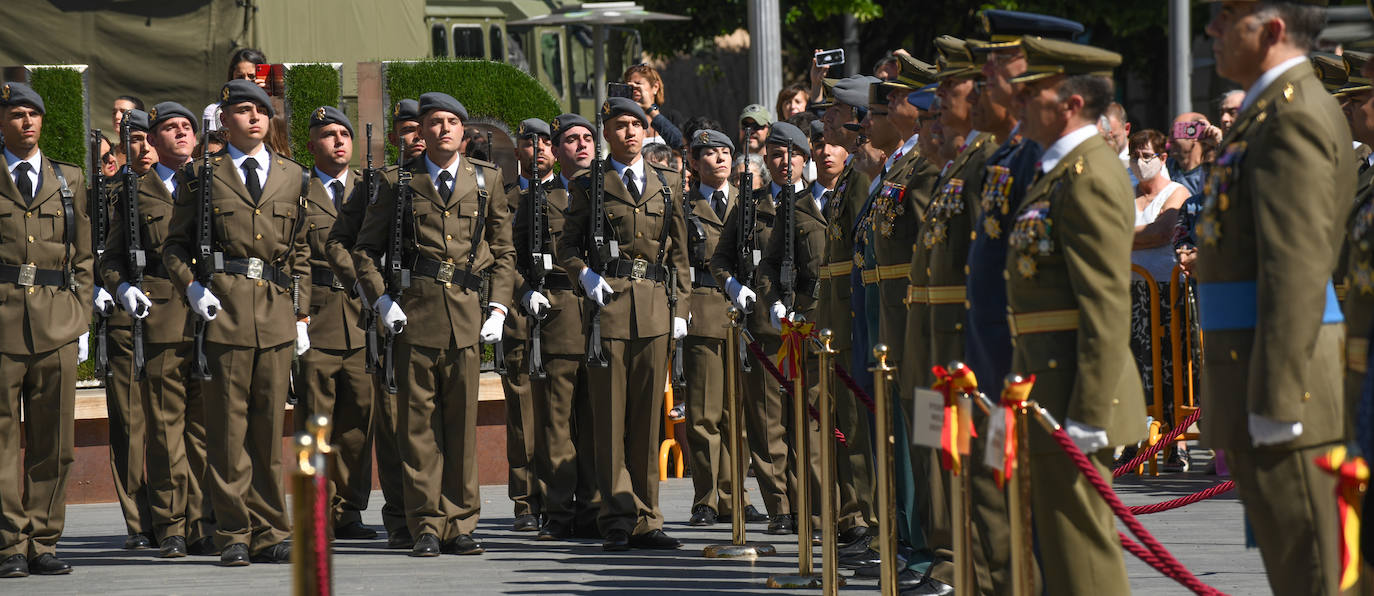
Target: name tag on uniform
point(615, 249)
point(927, 418)
point(997, 440)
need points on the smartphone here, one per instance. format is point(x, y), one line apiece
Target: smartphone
point(830, 57)
point(264, 72)
point(1189, 130)
point(620, 90)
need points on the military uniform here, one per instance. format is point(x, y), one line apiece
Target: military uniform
point(1279, 362)
point(437, 359)
point(334, 370)
point(1068, 270)
point(1356, 263)
point(522, 481)
point(50, 233)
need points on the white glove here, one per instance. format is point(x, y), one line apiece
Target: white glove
point(133, 301)
point(1089, 439)
point(535, 303)
point(202, 301)
point(1267, 431)
point(776, 314)
point(83, 347)
point(740, 294)
point(597, 289)
point(302, 337)
point(104, 303)
point(491, 330)
point(392, 316)
point(679, 327)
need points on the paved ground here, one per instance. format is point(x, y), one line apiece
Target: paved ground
point(1207, 537)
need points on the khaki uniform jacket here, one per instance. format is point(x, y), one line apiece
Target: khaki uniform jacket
point(809, 253)
point(256, 313)
point(1343, 271)
point(334, 311)
point(563, 330)
point(904, 324)
point(639, 307)
point(40, 319)
point(167, 321)
point(1069, 255)
point(725, 262)
point(516, 326)
point(834, 312)
point(442, 314)
point(947, 233)
point(708, 304)
point(1276, 200)
point(344, 233)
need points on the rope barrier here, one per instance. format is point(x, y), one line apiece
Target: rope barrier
point(757, 351)
point(1161, 560)
point(854, 387)
point(1150, 452)
point(1201, 495)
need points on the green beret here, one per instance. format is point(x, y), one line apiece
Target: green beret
point(1049, 57)
point(707, 138)
point(566, 122)
point(851, 91)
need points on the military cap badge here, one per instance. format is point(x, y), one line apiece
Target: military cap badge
point(606, 108)
point(704, 137)
point(396, 110)
point(5, 93)
point(152, 114)
point(522, 130)
point(224, 93)
point(319, 113)
point(556, 125)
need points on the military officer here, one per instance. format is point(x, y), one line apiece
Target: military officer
point(1068, 271)
point(1358, 306)
point(461, 229)
point(128, 436)
point(645, 238)
point(1272, 374)
point(47, 269)
point(404, 135)
point(257, 215)
point(334, 370)
point(846, 105)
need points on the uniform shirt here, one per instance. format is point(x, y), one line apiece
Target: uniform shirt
point(818, 191)
point(434, 170)
point(326, 180)
point(637, 168)
point(262, 156)
point(525, 182)
point(797, 188)
point(1064, 145)
point(1268, 79)
point(168, 176)
point(710, 192)
point(34, 163)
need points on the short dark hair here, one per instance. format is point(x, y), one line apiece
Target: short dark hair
point(138, 103)
point(699, 123)
point(657, 153)
point(1096, 92)
point(1303, 21)
point(1150, 136)
point(802, 120)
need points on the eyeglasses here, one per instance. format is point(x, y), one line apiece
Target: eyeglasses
point(1145, 156)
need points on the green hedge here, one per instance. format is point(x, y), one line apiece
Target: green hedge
point(308, 86)
point(485, 88)
point(64, 119)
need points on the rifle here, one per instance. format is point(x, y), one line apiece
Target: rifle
point(745, 267)
point(369, 316)
point(787, 273)
point(137, 260)
point(600, 254)
point(399, 278)
point(293, 388)
point(679, 379)
point(540, 262)
point(696, 249)
point(100, 217)
point(208, 260)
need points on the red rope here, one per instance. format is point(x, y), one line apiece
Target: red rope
point(1162, 561)
point(855, 388)
point(1153, 449)
point(321, 522)
point(1201, 495)
point(757, 351)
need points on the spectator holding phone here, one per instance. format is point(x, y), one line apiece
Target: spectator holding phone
point(648, 93)
point(1192, 148)
point(242, 65)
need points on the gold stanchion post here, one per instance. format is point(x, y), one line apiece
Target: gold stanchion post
point(739, 547)
point(887, 494)
point(830, 561)
point(1019, 497)
point(311, 560)
point(961, 506)
point(801, 428)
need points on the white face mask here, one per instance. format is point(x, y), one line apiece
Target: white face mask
point(1146, 169)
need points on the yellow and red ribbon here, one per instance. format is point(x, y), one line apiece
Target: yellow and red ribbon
point(1352, 473)
point(792, 353)
point(951, 384)
point(1014, 397)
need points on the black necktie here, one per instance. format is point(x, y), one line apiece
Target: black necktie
point(630, 184)
point(825, 198)
point(21, 180)
point(337, 189)
point(718, 203)
point(445, 185)
point(250, 178)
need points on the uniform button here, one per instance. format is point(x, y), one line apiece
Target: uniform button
point(257, 236)
point(448, 284)
point(966, 307)
point(448, 236)
point(1115, 401)
point(965, 269)
point(1234, 355)
point(960, 326)
point(30, 289)
point(312, 226)
point(1006, 275)
point(257, 211)
point(30, 239)
point(639, 234)
point(259, 283)
point(973, 235)
point(1053, 363)
point(216, 209)
point(927, 270)
point(1306, 396)
point(636, 209)
point(28, 214)
point(474, 213)
point(446, 213)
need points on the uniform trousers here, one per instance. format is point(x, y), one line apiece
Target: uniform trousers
point(853, 461)
point(708, 423)
point(1292, 509)
point(768, 422)
point(437, 420)
point(627, 397)
point(565, 449)
point(34, 503)
point(338, 386)
point(386, 442)
point(166, 411)
point(1075, 530)
point(128, 439)
point(522, 484)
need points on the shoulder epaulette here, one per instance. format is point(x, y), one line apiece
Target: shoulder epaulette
point(63, 163)
point(283, 157)
point(481, 162)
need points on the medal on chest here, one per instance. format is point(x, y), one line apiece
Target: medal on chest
point(996, 189)
point(1030, 236)
point(889, 205)
point(948, 203)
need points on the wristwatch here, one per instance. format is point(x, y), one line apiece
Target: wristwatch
point(653, 107)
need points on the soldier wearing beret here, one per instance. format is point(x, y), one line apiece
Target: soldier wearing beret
point(179, 510)
point(128, 436)
point(646, 246)
point(460, 229)
point(1068, 274)
point(45, 290)
point(257, 213)
point(404, 135)
point(1266, 299)
point(334, 370)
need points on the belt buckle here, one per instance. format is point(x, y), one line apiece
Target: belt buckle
point(27, 273)
point(639, 267)
point(254, 268)
point(445, 274)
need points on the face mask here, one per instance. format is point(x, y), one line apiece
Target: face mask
point(1146, 169)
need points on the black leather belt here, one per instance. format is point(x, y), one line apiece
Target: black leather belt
point(636, 269)
point(155, 268)
point(324, 276)
point(255, 268)
point(29, 275)
point(445, 272)
point(557, 281)
point(702, 278)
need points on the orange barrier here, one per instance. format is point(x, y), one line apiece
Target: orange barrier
point(1156, 409)
point(669, 447)
point(1182, 333)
